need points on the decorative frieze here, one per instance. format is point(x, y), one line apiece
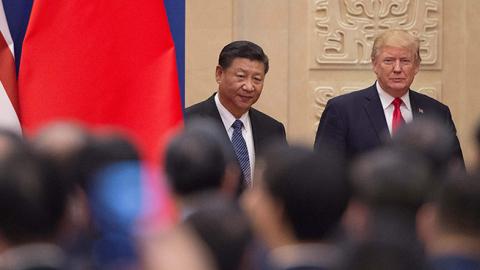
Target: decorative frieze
point(343, 30)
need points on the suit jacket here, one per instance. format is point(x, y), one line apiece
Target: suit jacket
point(355, 123)
point(306, 268)
point(265, 129)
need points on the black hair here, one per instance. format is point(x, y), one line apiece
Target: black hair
point(311, 186)
point(242, 49)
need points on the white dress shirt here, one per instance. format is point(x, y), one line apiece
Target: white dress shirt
point(388, 107)
point(228, 119)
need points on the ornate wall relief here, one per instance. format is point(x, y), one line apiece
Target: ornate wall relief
point(343, 30)
point(322, 94)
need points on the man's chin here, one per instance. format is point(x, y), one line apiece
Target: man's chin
point(243, 107)
point(245, 103)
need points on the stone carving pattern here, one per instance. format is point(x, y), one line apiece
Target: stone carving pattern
point(430, 91)
point(345, 29)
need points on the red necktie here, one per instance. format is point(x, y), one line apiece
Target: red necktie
point(397, 119)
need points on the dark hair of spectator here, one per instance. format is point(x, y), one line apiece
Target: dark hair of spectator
point(459, 204)
point(311, 187)
point(392, 177)
point(33, 198)
point(195, 159)
point(225, 230)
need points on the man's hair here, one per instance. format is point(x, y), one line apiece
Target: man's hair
point(392, 182)
point(381, 255)
point(311, 187)
point(224, 229)
point(98, 153)
point(397, 38)
point(392, 177)
point(197, 158)
point(242, 49)
point(458, 205)
point(433, 140)
point(33, 198)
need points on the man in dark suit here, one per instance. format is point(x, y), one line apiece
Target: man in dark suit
point(360, 121)
point(240, 74)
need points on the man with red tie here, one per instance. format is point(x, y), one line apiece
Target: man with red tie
point(362, 120)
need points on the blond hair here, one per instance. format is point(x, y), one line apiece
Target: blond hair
point(396, 38)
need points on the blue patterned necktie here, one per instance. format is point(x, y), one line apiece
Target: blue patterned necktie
point(241, 151)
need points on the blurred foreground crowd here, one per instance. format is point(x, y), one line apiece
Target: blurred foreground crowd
point(70, 199)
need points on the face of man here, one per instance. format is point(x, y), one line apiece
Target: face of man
point(240, 85)
point(395, 68)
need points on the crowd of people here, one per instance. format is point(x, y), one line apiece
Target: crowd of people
point(384, 187)
point(75, 200)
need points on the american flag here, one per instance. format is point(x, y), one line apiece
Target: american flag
point(8, 79)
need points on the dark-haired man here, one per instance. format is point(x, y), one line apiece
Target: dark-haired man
point(240, 74)
point(296, 207)
point(33, 208)
point(200, 165)
point(450, 225)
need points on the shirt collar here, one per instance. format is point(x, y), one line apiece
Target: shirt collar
point(227, 116)
point(387, 99)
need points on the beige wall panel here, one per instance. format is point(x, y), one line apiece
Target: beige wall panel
point(469, 97)
point(300, 95)
point(265, 22)
point(209, 26)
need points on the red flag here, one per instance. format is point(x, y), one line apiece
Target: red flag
point(109, 62)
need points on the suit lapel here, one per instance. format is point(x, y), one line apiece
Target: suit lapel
point(212, 111)
point(256, 130)
point(374, 109)
point(417, 110)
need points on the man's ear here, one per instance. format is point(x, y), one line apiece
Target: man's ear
point(218, 74)
point(374, 67)
point(417, 67)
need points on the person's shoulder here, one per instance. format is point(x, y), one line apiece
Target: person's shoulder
point(353, 96)
point(200, 108)
point(263, 117)
point(422, 99)
point(266, 127)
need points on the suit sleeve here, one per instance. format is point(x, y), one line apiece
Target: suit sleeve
point(457, 149)
point(282, 134)
point(331, 132)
